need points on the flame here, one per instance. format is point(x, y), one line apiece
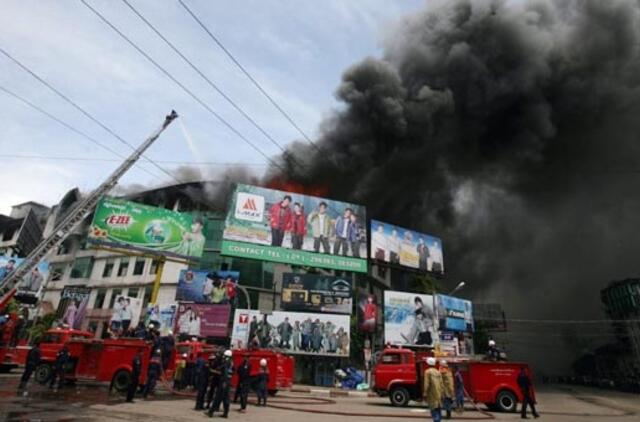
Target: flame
point(295, 187)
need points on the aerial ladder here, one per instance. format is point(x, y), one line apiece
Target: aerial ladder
point(8, 285)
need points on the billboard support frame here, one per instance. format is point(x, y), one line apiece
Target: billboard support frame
point(156, 282)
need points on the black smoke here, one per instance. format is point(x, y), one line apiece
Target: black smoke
point(512, 131)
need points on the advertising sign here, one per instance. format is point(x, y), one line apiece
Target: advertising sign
point(129, 225)
point(295, 229)
point(405, 247)
point(205, 286)
point(316, 293)
point(367, 312)
point(292, 332)
point(33, 281)
point(125, 314)
point(202, 320)
point(72, 307)
point(454, 314)
point(162, 318)
point(409, 319)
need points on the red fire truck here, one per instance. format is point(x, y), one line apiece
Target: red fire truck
point(50, 344)
point(11, 356)
point(280, 367)
point(399, 373)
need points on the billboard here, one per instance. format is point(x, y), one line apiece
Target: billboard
point(409, 319)
point(125, 314)
point(129, 225)
point(316, 293)
point(162, 318)
point(72, 307)
point(292, 332)
point(32, 282)
point(205, 286)
point(367, 312)
point(295, 229)
point(405, 247)
point(454, 314)
point(202, 320)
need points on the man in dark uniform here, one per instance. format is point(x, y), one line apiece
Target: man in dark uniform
point(222, 394)
point(215, 365)
point(201, 382)
point(59, 366)
point(153, 373)
point(262, 381)
point(244, 379)
point(136, 369)
point(524, 382)
point(33, 360)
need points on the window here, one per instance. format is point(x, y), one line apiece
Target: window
point(108, 268)
point(124, 267)
point(138, 267)
point(133, 292)
point(114, 293)
point(57, 272)
point(64, 248)
point(153, 268)
point(82, 267)
point(100, 295)
point(391, 358)
point(147, 296)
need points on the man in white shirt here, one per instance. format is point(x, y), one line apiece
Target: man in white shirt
point(394, 247)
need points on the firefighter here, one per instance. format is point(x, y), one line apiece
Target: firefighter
point(459, 386)
point(492, 352)
point(155, 369)
point(136, 368)
point(524, 382)
point(262, 383)
point(222, 394)
point(447, 382)
point(178, 375)
point(244, 379)
point(59, 366)
point(433, 389)
point(201, 382)
point(215, 363)
point(33, 360)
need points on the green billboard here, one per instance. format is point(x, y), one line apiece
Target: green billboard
point(129, 225)
point(295, 229)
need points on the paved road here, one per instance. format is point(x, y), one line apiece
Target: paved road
point(92, 403)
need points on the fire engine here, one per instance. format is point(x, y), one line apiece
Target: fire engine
point(399, 372)
point(280, 366)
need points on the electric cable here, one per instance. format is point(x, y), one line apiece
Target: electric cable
point(93, 159)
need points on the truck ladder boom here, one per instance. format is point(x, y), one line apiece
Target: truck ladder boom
point(75, 216)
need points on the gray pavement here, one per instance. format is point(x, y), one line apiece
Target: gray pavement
point(92, 402)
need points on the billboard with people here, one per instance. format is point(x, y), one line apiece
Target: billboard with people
point(396, 245)
point(72, 307)
point(196, 320)
point(125, 315)
point(316, 293)
point(367, 312)
point(128, 225)
point(409, 319)
point(295, 229)
point(292, 332)
point(161, 317)
point(205, 286)
point(33, 281)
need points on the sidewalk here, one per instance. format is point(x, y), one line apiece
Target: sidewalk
point(330, 392)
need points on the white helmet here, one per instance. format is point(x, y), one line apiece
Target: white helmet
point(263, 362)
point(227, 353)
point(492, 343)
point(431, 361)
point(444, 363)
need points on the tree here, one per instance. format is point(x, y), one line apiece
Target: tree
point(425, 284)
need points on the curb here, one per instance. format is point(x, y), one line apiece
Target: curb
point(334, 392)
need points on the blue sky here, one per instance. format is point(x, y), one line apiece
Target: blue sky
point(296, 49)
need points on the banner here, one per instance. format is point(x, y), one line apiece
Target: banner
point(395, 245)
point(32, 282)
point(129, 225)
point(409, 319)
point(72, 307)
point(162, 318)
point(205, 286)
point(292, 332)
point(202, 320)
point(456, 343)
point(367, 312)
point(316, 293)
point(454, 314)
point(295, 229)
point(125, 314)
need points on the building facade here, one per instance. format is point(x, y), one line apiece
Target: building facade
point(621, 300)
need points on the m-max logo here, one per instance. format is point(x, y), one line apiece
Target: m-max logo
point(249, 207)
point(119, 220)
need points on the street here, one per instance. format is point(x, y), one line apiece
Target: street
point(92, 402)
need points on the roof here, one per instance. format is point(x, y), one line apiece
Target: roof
point(38, 204)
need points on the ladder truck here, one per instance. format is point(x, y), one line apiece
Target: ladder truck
point(8, 286)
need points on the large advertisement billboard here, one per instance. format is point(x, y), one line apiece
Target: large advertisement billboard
point(292, 332)
point(396, 245)
point(72, 307)
point(454, 314)
point(316, 293)
point(33, 281)
point(129, 225)
point(202, 320)
point(409, 319)
point(205, 286)
point(125, 314)
point(295, 229)
point(367, 312)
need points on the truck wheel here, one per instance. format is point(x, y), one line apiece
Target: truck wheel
point(506, 401)
point(399, 397)
point(121, 380)
point(43, 373)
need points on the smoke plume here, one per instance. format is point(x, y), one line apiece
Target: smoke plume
point(511, 131)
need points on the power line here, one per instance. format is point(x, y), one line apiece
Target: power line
point(68, 126)
point(92, 159)
point(560, 321)
point(248, 75)
point(182, 86)
point(82, 110)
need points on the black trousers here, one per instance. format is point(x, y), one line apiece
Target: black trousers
point(262, 395)
point(26, 375)
point(317, 241)
point(242, 392)
point(151, 384)
point(58, 374)
point(222, 397)
point(341, 243)
point(202, 392)
point(296, 241)
point(528, 401)
point(355, 248)
point(131, 390)
point(277, 236)
point(212, 391)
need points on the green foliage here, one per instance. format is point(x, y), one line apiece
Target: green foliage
point(39, 328)
point(356, 343)
point(12, 307)
point(425, 284)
